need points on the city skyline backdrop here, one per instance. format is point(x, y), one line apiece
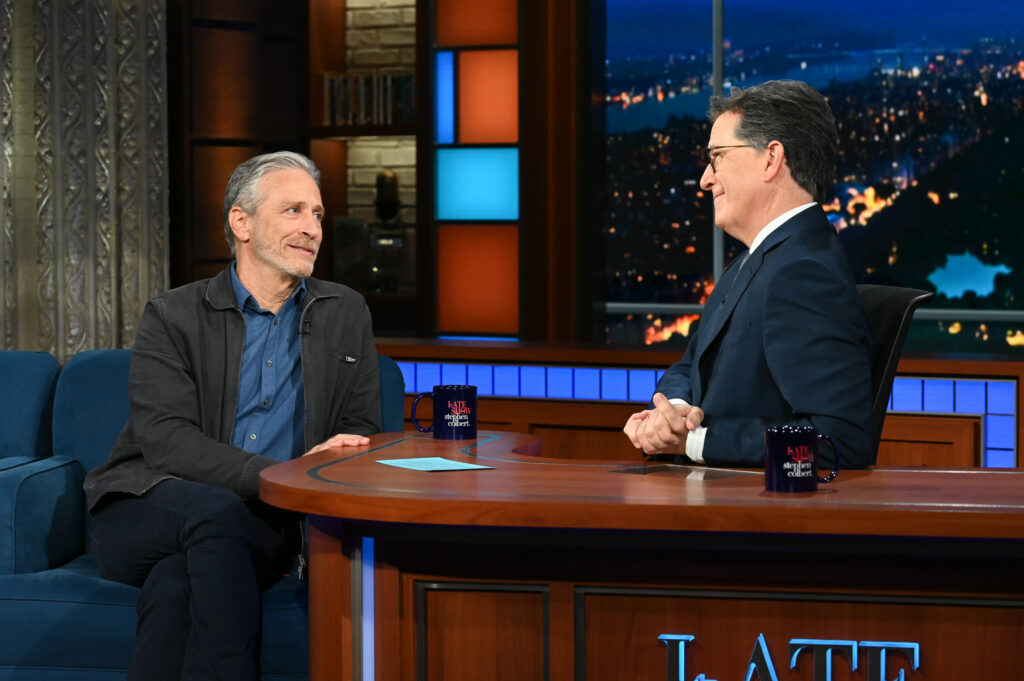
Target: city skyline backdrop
point(930, 121)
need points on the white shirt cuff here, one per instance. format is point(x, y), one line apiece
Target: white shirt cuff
point(695, 438)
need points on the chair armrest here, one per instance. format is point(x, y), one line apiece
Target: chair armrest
point(15, 461)
point(42, 515)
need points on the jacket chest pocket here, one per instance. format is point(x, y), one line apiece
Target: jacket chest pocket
point(341, 371)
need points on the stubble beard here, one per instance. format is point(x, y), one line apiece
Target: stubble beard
point(266, 252)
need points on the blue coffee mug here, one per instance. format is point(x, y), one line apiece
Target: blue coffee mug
point(454, 412)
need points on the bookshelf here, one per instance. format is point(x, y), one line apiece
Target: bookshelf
point(354, 138)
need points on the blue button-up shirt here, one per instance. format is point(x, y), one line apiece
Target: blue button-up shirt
point(271, 415)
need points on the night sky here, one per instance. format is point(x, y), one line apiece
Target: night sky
point(662, 26)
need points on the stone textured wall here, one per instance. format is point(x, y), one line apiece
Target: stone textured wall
point(380, 33)
point(83, 205)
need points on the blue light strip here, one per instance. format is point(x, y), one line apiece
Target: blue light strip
point(369, 644)
point(444, 97)
point(994, 400)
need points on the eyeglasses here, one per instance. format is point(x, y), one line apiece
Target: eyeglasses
point(713, 157)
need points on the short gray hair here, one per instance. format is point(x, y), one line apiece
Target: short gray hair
point(796, 115)
point(244, 182)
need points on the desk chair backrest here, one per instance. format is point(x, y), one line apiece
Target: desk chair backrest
point(392, 396)
point(890, 310)
point(27, 381)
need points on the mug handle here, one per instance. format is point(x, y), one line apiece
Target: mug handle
point(414, 421)
point(835, 450)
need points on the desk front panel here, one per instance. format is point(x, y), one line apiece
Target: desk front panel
point(524, 605)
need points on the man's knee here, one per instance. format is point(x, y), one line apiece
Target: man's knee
point(220, 514)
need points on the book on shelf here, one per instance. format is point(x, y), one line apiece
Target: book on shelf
point(385, 96)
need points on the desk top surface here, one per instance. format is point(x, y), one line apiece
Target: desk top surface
point(525, 491)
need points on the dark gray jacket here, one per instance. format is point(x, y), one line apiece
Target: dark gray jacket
point(184, 387)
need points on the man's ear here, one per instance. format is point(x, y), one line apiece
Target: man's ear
point(774, 161)
point(241, 224)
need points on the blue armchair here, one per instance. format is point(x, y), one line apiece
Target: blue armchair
point(61, 619)
point(27, 381)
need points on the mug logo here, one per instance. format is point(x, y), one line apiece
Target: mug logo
point(458, 414)
point(801, 461)
point(800, 454)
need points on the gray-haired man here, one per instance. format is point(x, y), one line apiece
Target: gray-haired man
point(230, 375)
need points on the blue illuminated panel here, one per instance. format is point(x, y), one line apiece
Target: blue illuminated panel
point(560, 383)
point(999, 432)
point(1001, 399)
point(532, 382)
point(408, 370)
point(453, 374)
point(907, 394)
point(427, 376)
point(614, 384)
point(970, 397)
point(506, 381)
point(586, 384)
point(641, 384)
point(993, 400)
point(482, 376)
point(999, 458)
point(477, 183)
point(938, 396)
point(444, 97)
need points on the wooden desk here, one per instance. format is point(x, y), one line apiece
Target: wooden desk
point(554, 569)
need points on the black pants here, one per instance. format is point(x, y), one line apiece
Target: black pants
point(202, 557)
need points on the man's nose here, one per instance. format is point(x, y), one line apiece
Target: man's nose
point(311, 226)
point(705, 179)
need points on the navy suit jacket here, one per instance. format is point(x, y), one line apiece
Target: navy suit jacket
point(783, 339)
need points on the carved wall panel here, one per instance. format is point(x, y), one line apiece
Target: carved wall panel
point(97, 155)
point(8, 261)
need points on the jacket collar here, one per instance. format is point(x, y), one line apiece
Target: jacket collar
point(221, 294)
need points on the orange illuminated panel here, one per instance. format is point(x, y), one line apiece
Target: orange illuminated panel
point(477, 22)
point(489, 96)
point(478, 279)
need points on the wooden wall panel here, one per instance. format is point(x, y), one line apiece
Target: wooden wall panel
point(279, 81)
point(225, 10)
point(225, 86)
point(236, 88)
point(211, 168)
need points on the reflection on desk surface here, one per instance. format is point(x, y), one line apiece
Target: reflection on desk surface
point(688, 472)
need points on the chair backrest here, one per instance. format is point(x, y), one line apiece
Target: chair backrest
point(392, 396)
point(27, 381)
point(890, 310)
point(90, 408)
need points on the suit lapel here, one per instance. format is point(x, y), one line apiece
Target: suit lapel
point(733, 285)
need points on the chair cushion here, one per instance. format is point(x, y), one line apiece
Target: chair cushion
point(71, 618)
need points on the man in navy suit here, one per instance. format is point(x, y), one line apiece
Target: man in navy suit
point(784, 337)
